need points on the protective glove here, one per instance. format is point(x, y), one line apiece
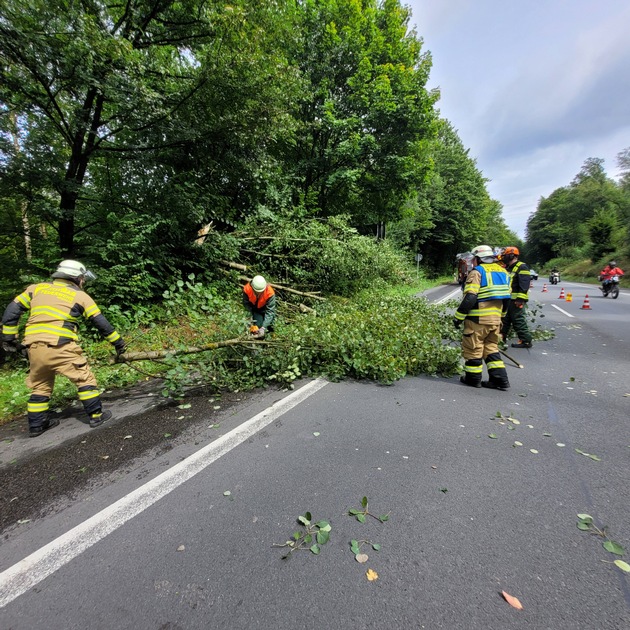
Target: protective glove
point(253, 329)
point(519, 303)
point(120, 346)
point(457, 322)
point(10, 346)
point(261, 332)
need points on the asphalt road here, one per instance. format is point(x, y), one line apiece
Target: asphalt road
point(469, 515)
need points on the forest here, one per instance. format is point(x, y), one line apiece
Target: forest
point(584, 224)
point(153, 138)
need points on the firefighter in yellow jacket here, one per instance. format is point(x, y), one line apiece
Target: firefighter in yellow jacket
point(486, 297)
point(51, 341)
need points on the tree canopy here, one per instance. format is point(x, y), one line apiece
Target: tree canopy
point(128, 128)
point(588, 218)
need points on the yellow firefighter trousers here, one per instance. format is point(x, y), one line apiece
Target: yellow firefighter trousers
point(48, 361)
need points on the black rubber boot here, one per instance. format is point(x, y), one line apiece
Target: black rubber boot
point(522, 344)
point(462, 379)
point(494, 385)
point(52, 421)
point(99, 418)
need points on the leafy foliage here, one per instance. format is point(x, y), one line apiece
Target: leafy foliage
point(125, 130)
point(311, 537)
point(313, 254)
point(586, 219)
point(372, 337)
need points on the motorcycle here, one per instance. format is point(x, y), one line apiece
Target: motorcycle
point(611, 287)
point(554, 277)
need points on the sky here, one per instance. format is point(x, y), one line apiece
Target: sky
point(534, 88)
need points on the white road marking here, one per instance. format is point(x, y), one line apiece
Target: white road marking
point(449, 296)
point(563, 311)
point(27, 573)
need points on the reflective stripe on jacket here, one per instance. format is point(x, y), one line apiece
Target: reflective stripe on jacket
point(55, 310)
point(485, 294)
point(520, 281)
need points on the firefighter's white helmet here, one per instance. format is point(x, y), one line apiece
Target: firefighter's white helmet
point(73, 269)
point(484, 253)
point(259, 284)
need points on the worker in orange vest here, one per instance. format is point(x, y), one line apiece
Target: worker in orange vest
point(259, 299)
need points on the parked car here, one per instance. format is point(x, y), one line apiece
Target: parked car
point(534, 274)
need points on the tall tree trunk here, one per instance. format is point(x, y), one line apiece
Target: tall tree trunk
point(82, 147)
point(26, 224)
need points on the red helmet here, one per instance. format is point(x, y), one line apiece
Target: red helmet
point(511, 251)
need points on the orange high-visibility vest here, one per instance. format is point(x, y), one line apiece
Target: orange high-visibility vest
point(258, 301)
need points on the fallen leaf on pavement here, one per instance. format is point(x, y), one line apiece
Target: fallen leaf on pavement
point(371, 575)
point(512, 601)
point(361, 557)
point(181, 548)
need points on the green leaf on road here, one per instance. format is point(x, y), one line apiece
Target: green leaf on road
point(361, 518)
point(585, 517)
point(322, 537)
point(624, 566)
point(315, 549)
point(364, 502)
point(613, 547)
point(493, 436)
point(583, 525)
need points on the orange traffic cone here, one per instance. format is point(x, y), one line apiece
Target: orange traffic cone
point(561, 296)
point(587, 305)
point(544, 289)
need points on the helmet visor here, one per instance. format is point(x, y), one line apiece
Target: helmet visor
point(89, 276)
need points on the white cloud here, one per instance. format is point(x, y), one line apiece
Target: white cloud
point(533, 88)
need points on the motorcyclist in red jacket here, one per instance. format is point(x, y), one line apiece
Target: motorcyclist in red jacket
point(608, 272)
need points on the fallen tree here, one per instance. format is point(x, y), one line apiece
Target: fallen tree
point(155, 355)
